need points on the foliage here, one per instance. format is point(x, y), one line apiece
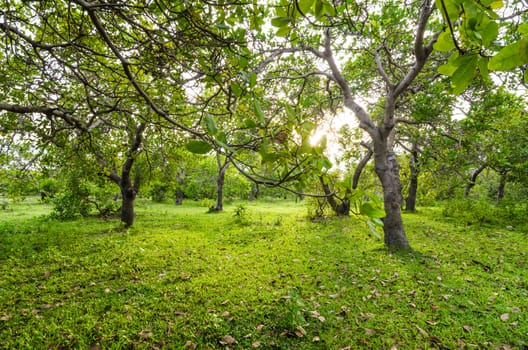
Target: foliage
point(203, 281)
point(72, 202)
point(471, 35)
point(158, 191)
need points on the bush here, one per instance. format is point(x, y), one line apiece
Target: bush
point(158, 192)
point(70, 205)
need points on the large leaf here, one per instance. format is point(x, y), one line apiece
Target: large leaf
point(511, 56)
point(280, 22)
point(210, 125)
point(258, 112)
point(198, 147)
point(445, 42)
point(463, 76)
point(371, 211)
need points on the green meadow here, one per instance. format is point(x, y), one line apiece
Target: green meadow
point(258, 275)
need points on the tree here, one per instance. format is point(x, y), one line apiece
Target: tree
point(394, 40)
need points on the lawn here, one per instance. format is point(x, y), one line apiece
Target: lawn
point(257, 276)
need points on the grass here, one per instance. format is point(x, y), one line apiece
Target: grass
point(257, 276)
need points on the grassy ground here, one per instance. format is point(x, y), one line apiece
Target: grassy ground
point(257, 276)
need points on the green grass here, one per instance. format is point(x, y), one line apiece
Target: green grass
point(266, 278)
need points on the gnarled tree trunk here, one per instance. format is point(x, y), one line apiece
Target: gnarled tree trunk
point(342, 208)
point(473, 179)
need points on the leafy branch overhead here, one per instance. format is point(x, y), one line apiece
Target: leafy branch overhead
point(473, 36)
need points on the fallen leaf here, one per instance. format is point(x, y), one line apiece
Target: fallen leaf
point(259, 327)
point(228, 340)
point(467, 328)
point(432, 323)
point(225, 302)
point(300, 332)
point(369, 331)
point(514, 324)
point(4, 318)
point(225, 313)
point(255, 344)
point(394, 347)
point(422, 331)
point(144, 334)
point(315, 314)
point(247, 336)
point(316, 339)
point(435, 307)
point(46, 306)
point(334, 296)
point(435, 340)
point(504, 317)
point(515, 309)
point(189, 345)
point(47, 274)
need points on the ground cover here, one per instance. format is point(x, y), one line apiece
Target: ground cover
point(257, 276)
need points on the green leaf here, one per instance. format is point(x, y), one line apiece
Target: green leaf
point(210, 125)
point(445, 42)
point(463, 76)
point(372, 229)
point(451, 66)
point(198, 147)
point(483, 68)
point(283, 31)
point(280, 22)
point(252, 80)
point(250, 123)
point(258, 112)
point(306, 6)
point(371, 211)
point(489, 33)
point(237, 89)
point(511, 56)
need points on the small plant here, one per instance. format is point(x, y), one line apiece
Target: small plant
point(241, 214)
point(294, 309)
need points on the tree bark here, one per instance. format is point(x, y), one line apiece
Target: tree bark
point(387, 169)
point(359, 169)
point(340, 209)
point(502, 185)
point(254, 191)
point(127, 206)
point(410, 201)
point(473, 179)
point(222, 168)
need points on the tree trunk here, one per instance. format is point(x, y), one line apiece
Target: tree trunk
point(179, 197)
point(410, 201)
point(473, 179)
point(387, 169)
point(254, 191)
point(127, 205)
point(222, 168)
point(359, 169)
point(502, 185)
point(340, 209)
